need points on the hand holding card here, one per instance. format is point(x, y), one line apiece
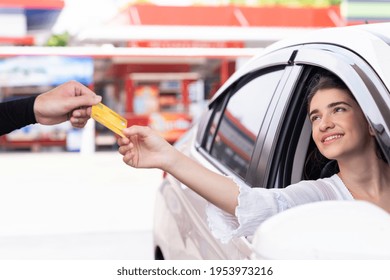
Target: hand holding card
point(109, 118)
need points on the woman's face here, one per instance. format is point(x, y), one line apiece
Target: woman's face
point(339, 127)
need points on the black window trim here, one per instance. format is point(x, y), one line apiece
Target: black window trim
point(266, 147)
point(290, 132)
point(228, 93)
point(279, 58)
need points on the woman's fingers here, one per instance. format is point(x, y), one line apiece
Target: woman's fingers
point(124, 149)
point(137, 130)
point(123, 141)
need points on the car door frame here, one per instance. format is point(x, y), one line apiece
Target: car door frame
point(278, 58)
point(368, 89)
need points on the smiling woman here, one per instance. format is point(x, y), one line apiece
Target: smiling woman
point(341, 132)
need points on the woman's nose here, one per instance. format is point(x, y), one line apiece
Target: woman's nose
point(326, 123)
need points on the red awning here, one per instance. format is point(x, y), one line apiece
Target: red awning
point(228, 16)
point(19, 41)
point(36, 4)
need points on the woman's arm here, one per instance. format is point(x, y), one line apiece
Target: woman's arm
point(144, 148)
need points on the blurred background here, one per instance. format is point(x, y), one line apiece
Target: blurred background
point(155, 62)
point(65, 192)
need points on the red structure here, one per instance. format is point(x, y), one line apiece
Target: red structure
point(207, 19)
point(228, 16)
point(22, 17)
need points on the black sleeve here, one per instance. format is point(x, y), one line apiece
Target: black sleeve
point(16, 114)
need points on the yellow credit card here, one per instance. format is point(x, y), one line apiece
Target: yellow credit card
point(109, 118)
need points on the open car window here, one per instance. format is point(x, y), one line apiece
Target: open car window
point(296, 156)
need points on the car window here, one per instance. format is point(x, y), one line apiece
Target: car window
point(296, 158)
point(235, 136)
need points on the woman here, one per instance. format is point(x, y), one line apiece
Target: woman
point(340, 132)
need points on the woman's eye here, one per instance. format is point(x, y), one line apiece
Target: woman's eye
point(314, 118)
point(339, 109)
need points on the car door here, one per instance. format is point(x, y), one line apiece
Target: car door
point(228, 137)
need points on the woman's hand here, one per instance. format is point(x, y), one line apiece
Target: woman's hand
point(144, 148)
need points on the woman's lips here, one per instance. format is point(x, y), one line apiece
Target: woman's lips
point(330, 138)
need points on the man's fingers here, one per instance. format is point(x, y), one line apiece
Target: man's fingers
point(84, 100)
point(80, 113)
point(78, 122)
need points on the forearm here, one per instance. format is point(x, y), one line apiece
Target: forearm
point(16, 114)
point(217, 189)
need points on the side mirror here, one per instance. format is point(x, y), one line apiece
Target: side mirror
point(325, 230)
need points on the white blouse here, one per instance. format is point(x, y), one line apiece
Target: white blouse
point(257, 204)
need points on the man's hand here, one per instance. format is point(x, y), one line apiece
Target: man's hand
point(70, 101)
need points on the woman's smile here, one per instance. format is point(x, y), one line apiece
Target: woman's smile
point(327, 139)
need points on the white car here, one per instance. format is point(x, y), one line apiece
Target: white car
point(256, 130)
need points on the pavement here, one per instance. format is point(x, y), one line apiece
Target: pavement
point(63, 205)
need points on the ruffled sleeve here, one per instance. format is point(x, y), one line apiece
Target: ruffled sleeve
point(254, 206)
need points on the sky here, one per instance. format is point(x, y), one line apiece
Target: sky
point(79, 14)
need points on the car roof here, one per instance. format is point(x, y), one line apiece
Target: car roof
point(370, 41)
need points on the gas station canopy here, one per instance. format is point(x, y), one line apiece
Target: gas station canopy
point(207, 26)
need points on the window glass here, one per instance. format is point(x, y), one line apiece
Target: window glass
point(241, 122)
